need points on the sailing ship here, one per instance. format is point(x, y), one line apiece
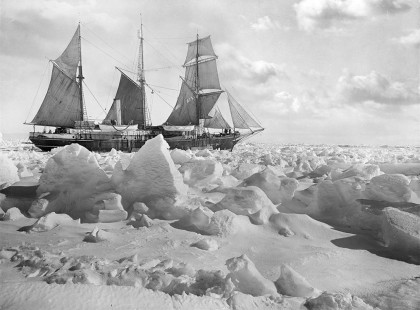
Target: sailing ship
point(195, 122)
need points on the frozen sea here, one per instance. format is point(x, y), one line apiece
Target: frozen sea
point(263, 227)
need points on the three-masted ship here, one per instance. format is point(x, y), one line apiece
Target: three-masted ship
point(195, 122)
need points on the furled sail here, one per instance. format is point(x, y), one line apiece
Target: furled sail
point(130, 95)
point(217, 121)
point(240, 118)
point(61, 106)
point(205, 49)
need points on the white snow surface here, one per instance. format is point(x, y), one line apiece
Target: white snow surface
point(151, 176)
point(262, 227)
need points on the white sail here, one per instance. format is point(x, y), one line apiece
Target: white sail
point(61, 105)
point(201, 49)
point(70, 58)
point(130, 95)
point(217, 121)
point(208, 77)
point(241, 118)
point(185, 111)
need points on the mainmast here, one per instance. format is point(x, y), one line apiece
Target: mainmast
point(83, 113)
point(141, 78)
point(197, 86)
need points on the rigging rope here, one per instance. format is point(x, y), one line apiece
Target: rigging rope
point(161, 54)
point(106, 53)
point(121, 129)
point(84, 26)
point(164, 87)
point(157, 93)
point(36, 94)
point(110, 90)
point(175, 58)
point(94, 97)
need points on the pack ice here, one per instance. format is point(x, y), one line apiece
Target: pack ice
point(262, 227)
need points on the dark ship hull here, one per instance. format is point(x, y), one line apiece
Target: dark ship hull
point(47, 142)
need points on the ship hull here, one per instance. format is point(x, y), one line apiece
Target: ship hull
point(47, 143)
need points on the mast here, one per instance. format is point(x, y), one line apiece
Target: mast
point(83, 113)
point(197, 87)
point(141, 78)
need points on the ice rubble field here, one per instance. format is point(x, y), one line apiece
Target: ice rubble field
point(262, 227)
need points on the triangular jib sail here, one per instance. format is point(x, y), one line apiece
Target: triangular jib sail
point(241, 118)
point(130, 95)
point(61, 106)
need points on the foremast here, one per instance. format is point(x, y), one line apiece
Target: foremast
point(63, 103)
point(80, 77)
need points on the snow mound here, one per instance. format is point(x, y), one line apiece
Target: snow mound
point(389, 187)
point(244, 171)
point(206, 244)
point(401, 168)
point(197, 221)
point(97, 235)
point(401, 232)
point(240, 301)
point(39, 207)
point(8, 171)
point(247, 279)
point(180, 156)
point(337, 301)
point(204, 221)
point(107, 208)
point(23, 171)
point(150, 176)
point(52, 220)
point(268, 181)
point(201, 171)
point(143, 221)
point(225, 223)
point(139, 208)
point(73, 176)
point(172, 208)
point(250, 201)
point(111, 216)
point(338, 199)
point(293, 284)
point(301, 225)
point(204, 153)
point(13, 214)
point(363, 171)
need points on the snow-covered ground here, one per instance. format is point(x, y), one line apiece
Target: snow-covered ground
point(262, 227)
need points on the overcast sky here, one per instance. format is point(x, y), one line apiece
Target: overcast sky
point(311, 71)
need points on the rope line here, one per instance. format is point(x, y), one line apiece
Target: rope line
point(157, 93)
point(94, 97)
point(36, 94)
point(107, 44)
point(106, 53)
